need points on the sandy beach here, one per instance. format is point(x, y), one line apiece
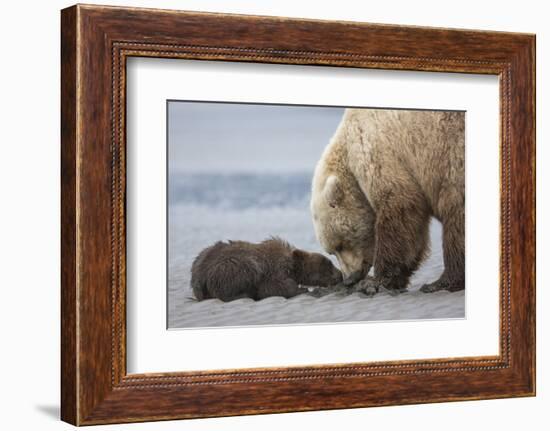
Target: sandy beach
point(196, 225)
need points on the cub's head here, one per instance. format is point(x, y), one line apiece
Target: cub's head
point(314, 269)
point(344, 224)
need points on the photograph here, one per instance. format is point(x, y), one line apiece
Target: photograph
point(298, 214)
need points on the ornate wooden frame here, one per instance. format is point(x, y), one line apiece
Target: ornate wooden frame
point(95, 43)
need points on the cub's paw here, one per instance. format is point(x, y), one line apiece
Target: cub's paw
point(315, 292)
point(318, 292)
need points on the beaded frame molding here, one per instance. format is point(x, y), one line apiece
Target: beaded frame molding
point(95, 43)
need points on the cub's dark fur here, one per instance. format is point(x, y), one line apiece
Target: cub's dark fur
point(239, 269)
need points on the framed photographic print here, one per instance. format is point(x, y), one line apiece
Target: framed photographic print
point(264, 214)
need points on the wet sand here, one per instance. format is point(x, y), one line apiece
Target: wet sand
point(185, 312)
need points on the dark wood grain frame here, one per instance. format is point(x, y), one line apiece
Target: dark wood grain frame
point(96, 42)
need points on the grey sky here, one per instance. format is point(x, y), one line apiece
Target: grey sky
point(229, 137)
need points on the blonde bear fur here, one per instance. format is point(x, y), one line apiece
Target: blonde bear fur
point(378, 182)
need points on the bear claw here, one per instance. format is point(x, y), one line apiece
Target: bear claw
point(368, 286)
point(430, 288)
point(370, 291)
point(438, 285)
point(395, 292)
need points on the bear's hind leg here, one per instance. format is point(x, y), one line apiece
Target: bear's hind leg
point(452, 278)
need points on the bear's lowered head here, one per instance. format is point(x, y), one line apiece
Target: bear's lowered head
point(344, 223)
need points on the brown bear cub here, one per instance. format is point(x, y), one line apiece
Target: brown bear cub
point(239, 269)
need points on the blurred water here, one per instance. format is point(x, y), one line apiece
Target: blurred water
point(240, 191)
point(208, 207)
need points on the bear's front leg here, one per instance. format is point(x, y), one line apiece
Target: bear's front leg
point(452, 278)
point(401, 240)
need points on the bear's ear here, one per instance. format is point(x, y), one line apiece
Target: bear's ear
point(333, 192)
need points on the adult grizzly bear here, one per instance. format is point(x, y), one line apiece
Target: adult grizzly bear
point(240, 269)
point(378, 182)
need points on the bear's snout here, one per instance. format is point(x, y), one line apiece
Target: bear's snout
point(353, 278)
